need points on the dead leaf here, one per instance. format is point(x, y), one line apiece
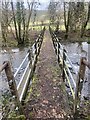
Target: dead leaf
point(45, 101)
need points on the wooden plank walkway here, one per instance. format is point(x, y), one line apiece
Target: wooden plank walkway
point(48, 98)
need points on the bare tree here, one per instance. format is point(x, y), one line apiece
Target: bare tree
point(52, 11)
point(86, 22)
point(14, 20)
point(21, 19)
point(30, 7)
point(66, 19)
point(4, 21)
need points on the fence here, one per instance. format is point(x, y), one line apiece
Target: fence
point(19, 91)
point(64, 61)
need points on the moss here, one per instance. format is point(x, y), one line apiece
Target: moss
point(31, 114)
point(88, 117)
point(20, 117)
point(32, 87)
point(10, 43)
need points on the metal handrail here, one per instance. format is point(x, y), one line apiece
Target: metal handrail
point(24, 62)
point(31, 63)
point(20, 94)
point(61, 52)
point(66, 69)
point(35, 47)
point(21, 65)
point(80, 74)
point(23, 75)
point(24, 87)
point(61, 47)
point(73, 92)
point(70, 75)
point(71, 64)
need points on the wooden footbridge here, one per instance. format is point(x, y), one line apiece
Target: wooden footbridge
point(19, 91)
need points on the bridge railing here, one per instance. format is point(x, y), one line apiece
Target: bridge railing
point(80, 77)
point(31, 57)
point(19, 91)
point(64, 63)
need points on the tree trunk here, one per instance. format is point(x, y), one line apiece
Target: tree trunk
point(66, 22)
point(14, 19)
point(30, 13)
point(64, 15)
point(23, 19)
point(3, 34)
point(19, 23)
point(88, 17)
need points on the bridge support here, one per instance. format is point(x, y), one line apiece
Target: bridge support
point(12, 86)
point(74, 85)
point(80, 77)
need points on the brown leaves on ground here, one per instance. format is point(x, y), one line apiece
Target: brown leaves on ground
point(51, 101)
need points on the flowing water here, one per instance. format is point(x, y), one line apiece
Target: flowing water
point(74, 50)
point(15, 56)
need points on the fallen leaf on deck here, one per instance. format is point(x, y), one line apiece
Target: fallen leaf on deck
point(45, 101)
point(53, 97)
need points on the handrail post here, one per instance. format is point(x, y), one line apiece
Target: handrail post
point(30, 56)
point(12, 86)
point(81, 75)
point(58, 52)
point(64, 59)
point(35, 47)
point(55, 45)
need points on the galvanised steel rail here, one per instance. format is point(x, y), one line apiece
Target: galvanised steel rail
point(19, 91)
point(63, 59)
point(64, 63)
point(27, 74)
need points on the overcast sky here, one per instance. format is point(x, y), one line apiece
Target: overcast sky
point(44, 1)
point(47, 1)
point(44, 4)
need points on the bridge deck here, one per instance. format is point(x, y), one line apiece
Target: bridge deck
point(48, 99)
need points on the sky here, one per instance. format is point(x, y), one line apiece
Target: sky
point(44, 1)
point(44, 4)
point(47, 1)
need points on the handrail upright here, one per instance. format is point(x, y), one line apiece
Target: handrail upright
point(80, 74)
point(11, 78)
point(12, 85)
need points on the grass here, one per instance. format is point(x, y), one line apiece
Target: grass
point(12, 42)
point(88, 26)
point(19, 117)
point(34, 82)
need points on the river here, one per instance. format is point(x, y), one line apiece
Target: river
point(15, 56)
point(74, 50)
